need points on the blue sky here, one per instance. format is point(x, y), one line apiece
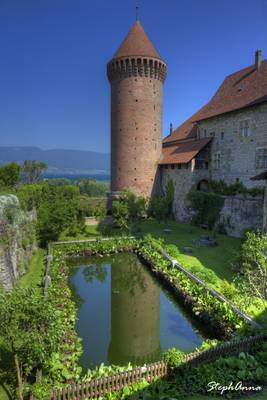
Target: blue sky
point(53, 87)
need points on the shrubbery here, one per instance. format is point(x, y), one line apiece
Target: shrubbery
point(57, 208)
point(207, 206)
point(9, 175)
point(128, 209)
point(160, 206)
point(252, 266)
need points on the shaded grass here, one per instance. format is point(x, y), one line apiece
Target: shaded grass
point(34, 275)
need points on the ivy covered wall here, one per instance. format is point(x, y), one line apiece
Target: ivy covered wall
point(17, 239)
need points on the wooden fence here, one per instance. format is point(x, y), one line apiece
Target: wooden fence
point(113, 383)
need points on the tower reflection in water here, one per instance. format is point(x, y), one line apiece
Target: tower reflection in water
point(135, 313)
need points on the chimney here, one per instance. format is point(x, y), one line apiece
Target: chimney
point(170, 128)
point(258, 59)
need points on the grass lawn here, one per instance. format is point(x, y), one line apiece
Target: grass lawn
point(34, 274)
point(219, 259)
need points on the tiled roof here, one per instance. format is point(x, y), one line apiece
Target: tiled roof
point(183, 152)
point(239, 90)
point(136, 43)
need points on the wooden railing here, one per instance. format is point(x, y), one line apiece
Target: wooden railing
point(112, 383)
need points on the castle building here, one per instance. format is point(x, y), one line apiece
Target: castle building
point(136, 74)
point(225, 140)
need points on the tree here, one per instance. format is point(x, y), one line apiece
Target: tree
point(9, 175)
point(58, 210)
point(120, 213)
point(128, 209)
point(252, 265)
point(30, 331)
point(32, 170)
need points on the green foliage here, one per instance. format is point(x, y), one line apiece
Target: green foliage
point(31, 171)
point(89, 187)
point(169, 195)
point(128, 209)
point(30, 331)
point(9, 175)
point(92, 187)
point(220, 187)
point(160, 206)
point(174, 357)
point(207, 206)
point(121, 214)
point(252, 265)
point(93, 207)
point(62, 365)
point(57, 208)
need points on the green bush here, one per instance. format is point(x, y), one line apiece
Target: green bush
point(57, 208)
point(251, 266)
point(160, 206)
point(9, 175)
point(128, 209)
point(207, 206)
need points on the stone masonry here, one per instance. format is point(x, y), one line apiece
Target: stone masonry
point(136, 74)
point(239, 156)
point(17, 240)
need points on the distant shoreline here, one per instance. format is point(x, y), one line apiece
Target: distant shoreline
point(98, 177)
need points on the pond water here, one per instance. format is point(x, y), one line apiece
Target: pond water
point(124, 314)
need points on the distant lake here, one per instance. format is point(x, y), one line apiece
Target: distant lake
point(98, 177)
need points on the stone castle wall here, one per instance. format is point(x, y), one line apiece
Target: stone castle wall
point(239, 156)
point(183, 180)
point(136, 123)
point(239, 213)
point(17, 240)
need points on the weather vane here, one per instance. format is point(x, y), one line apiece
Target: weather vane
point(137, 10)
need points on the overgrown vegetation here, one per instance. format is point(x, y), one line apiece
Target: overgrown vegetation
point(160, 206)
point(207, 207)
point(221, 188)
point(57, 208)
point(89, 187)
point(128, 209)
point(252, 266)
point(30, 332)
point(9, 175)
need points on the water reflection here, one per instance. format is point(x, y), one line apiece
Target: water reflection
point(135, 313)
point(124, 314)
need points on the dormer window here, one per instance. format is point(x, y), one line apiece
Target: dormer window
point(244, 128)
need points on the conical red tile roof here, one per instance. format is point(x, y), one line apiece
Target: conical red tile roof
point(136, 43)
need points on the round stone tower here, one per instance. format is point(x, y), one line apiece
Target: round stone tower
point(136, 74)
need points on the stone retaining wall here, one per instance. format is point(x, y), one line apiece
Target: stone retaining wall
point(240, 213)
point(17, 239)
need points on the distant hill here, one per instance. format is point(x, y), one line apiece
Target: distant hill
point(58, 160)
